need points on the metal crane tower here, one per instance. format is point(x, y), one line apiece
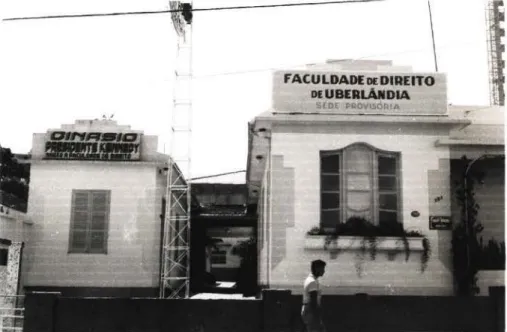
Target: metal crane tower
point(495, 16)
point(175, 270)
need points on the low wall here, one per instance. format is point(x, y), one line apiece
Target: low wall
point(405, 313)
point(276, 311)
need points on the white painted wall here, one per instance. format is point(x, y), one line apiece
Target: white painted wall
point(300, 148)
point(132, 258)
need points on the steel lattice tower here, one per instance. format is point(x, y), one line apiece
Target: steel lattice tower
point(175, 270)
point(495, 14)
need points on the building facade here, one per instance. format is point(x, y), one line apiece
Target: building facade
point(367, 141)
point(96, 205)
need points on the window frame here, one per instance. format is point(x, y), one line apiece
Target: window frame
point(375, 153)
point(397, 175)
point(88, 250)
point(341, 184)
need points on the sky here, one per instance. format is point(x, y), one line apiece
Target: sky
point(55, 71)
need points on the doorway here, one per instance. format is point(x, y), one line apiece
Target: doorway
point(224, 258)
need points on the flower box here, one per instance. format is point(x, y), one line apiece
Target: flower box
point(318, 242)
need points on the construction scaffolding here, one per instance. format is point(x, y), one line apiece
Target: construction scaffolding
point(175, 271)
point(495, 16)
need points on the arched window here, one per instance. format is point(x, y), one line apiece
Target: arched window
point(359, 180)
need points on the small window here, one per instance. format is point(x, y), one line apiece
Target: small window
point(89, 221)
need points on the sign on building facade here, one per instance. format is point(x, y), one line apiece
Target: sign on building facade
point(107, 146)
point(308, 91)
point(440, 223)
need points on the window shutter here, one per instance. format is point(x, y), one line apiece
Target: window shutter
point(330, 186)
point(79, 225)
point(97, 241)
point(388, 189)
point(99, 221)
point(79, 240)
point(89, 223)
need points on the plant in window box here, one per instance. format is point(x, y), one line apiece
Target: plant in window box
point(345, 236)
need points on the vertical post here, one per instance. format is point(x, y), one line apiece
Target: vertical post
point(13, 268)
point(433, 38)
point(175, 279)
point(9, 300)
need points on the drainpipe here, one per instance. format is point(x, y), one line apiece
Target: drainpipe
point(161, 251)
point(270, 214)
point(264, 133)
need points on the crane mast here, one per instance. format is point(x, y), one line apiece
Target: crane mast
point(175, 269)
point(495, 16)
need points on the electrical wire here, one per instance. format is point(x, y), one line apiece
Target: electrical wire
point(216, 175)
point(192, 10)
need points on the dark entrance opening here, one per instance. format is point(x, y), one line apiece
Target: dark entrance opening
point(223, 241)
point(223, 257)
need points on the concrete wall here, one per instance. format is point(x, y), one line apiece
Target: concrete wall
point(296, 209)
point(132, 258)
point(16, 228)
point(407, 313)
point(48, 313)
point(277, 311)
point(487, 124)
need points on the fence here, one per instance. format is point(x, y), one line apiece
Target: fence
point(11, 313)
point(277, 311)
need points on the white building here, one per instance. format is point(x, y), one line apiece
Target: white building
point(96, 204)
point(367, 139)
